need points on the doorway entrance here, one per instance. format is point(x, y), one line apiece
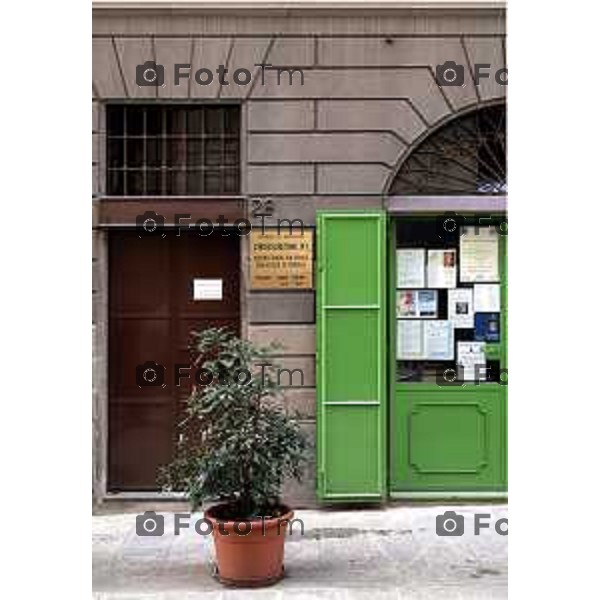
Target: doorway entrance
point(161, 289)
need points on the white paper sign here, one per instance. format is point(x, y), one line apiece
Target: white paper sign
point(441, 269)
point(471, 357)
point(409, 340)
point(479, 254)
point(438, 343)
point(208, 289)
point(410, 268)
point(460, 308)
point(486, 297)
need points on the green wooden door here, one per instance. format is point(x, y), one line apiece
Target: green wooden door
point(447, 440)
point(351, 355)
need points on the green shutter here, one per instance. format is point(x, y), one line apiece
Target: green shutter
point(351, 356)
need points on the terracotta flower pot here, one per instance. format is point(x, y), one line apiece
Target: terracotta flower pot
point(249, 553)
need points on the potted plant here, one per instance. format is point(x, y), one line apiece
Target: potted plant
point(236, 447)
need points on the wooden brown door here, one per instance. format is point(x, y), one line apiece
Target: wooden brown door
point(152, 310)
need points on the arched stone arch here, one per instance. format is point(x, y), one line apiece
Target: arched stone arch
point(463, 154)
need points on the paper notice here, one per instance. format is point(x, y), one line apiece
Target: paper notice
point(471, 359)
point(415, 304)
point(438, 340)
point(406, 304)
point(410, 267)
point(427, 303)
point(479, 254)
point(460, 307)
point(486, 297)
point(409, 340)
point(441, 269)
point(208, 289)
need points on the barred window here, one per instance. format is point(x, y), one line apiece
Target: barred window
point(172, 150)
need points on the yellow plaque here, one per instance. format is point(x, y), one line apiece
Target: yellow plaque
point(281, 259)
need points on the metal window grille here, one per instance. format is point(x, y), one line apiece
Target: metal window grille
point(465, 157)
point(172, 150)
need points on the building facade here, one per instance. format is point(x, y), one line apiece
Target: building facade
point(336, 118)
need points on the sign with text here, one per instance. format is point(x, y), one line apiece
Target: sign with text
point(208, 289)
point(281, 259)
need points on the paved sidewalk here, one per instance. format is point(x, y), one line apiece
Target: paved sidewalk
point(391, 553)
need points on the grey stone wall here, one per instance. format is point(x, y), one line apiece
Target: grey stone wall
point(369, 97)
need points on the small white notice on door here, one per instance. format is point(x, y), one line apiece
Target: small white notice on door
point(208, 289)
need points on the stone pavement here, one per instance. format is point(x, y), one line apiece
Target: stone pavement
point(390, 553)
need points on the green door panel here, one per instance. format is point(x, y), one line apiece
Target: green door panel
point(351, 458)
point(350, 255)
point(448, 438)
point(350, 366)
point(351, 355)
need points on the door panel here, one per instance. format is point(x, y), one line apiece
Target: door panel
point(133, 341)
point(448, 438)
point(459, 443)
point(350, 258)
point(135, 290)
point(351, 380)
point(140, 439)
point(151, 315)
point(351, 461)
point(350, 374)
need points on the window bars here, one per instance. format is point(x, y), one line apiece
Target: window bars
point(172, 150)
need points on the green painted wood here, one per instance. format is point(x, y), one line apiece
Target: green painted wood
point(351, 355)
point(450, 439)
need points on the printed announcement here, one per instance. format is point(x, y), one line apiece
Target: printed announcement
point(281, 260)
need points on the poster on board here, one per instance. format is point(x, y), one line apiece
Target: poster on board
point(460, 307)
point(486, 297)
point(471, 359)
point(410, 267)
point(416, 304)
point(438, 340)
point(409, 340)
point(441, 268)
point(479, 255)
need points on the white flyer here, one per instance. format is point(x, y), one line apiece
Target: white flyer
point(438, 341)
point(441, 268)
point(486, 297)
point(410, 267)
point(471, 360)
point(460, 308)
point(208, 289)
point(409, 340)
point(479, 254)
